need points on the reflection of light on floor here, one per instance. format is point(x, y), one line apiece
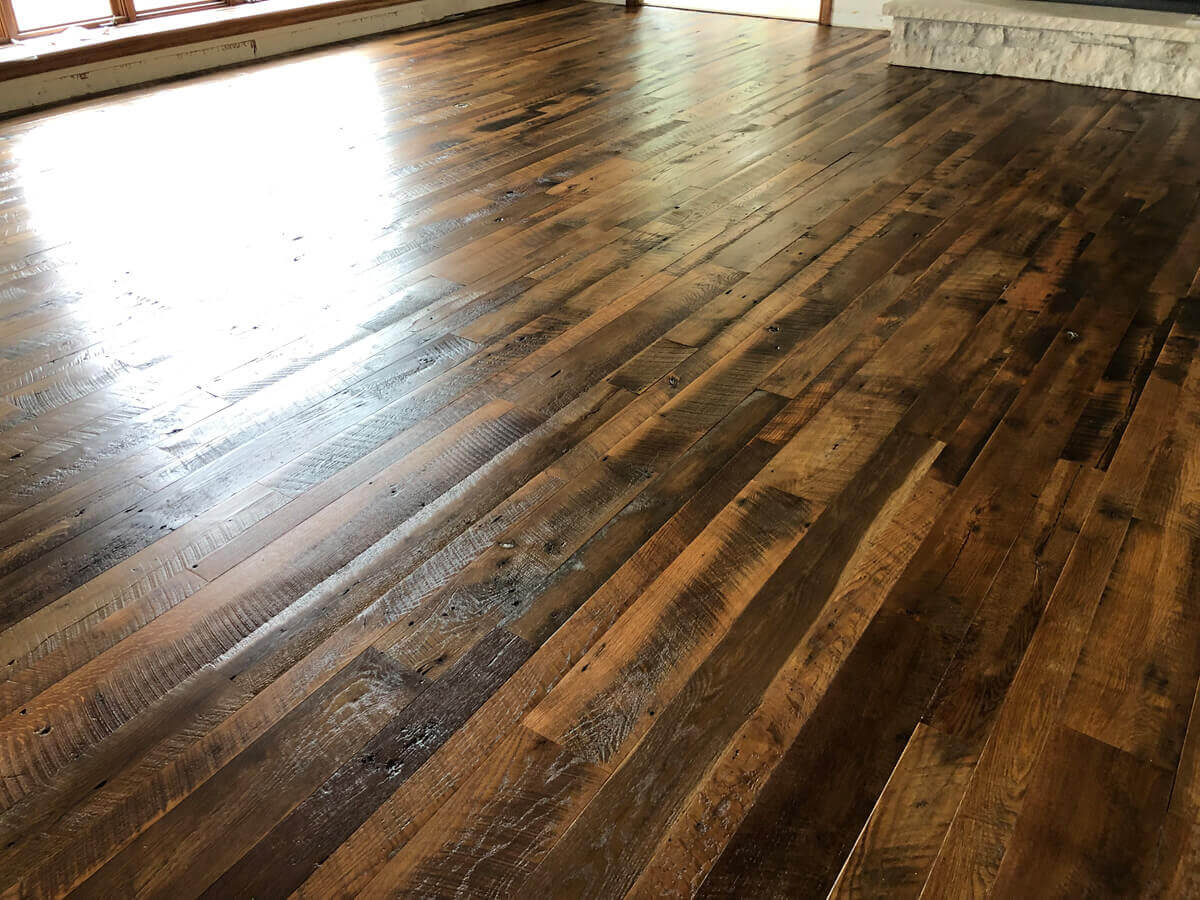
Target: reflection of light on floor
point(144, 203)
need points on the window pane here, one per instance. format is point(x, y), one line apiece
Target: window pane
point(36, 14)
point(155, 5)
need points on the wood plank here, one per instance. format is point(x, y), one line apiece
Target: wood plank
point(976, 841)
point(899, 842)
point(215, 822)
point(482, 840)
point(535, 465)
point(1136, 675)
point(684, 735)
point(283, 858)
point(1090, 824)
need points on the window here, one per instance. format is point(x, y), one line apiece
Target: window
point(29, 18)
point(37, 15)
point(144, 8)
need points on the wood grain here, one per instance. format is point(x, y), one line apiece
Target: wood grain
point(581, 453)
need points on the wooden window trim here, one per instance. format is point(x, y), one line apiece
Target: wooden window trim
point(8, 24)
point(175, 9)
point(122, 12)
point(16, 32)
point(167, 32)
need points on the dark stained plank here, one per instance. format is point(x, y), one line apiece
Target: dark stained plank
point(716, 805)
point(482, 841)
point(1033, 706)
point(281, 860)
point(892, 855)
point(920, 626)
point(215, 823)
point(1178, 853)
point(682, 734)
point(1089, 826)
point(975, 684)
point(1137, 672)
point(584, 453)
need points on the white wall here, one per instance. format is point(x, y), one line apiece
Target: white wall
point(847, 13)
point(860, 14)
point(65, 84)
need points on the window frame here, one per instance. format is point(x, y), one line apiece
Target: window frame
point(120, 13)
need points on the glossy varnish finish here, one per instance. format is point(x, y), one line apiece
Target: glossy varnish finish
point(571, 452)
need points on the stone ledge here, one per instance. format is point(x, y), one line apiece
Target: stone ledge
point(1128, 49)
point(1055, 16)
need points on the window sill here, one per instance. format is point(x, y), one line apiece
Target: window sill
point(53, 52)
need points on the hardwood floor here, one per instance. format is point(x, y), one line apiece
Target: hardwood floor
point(568, 452)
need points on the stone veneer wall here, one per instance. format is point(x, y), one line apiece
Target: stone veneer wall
point(1031, 45)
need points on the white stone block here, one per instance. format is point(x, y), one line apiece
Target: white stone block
point(1152, 76)
point(1088, 59)
point(1152, 48)
point(943, 33)
point(1189, 86)
point(1022, 62)
point(912, 55)
point(1030, 37)
point(961, 58)
point(1102, 46)
point(989, 36)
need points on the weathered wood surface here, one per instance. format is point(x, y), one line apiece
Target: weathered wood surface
point(566, 452)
